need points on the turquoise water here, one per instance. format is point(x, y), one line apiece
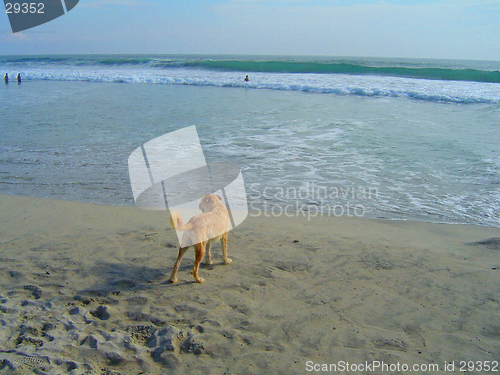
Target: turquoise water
point(474, 71)
point(68, 129)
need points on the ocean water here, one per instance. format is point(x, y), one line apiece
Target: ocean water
point(399, 139)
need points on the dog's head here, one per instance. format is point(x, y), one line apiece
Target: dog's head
point(209, 202)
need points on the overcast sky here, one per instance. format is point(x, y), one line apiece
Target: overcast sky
point(454, 29)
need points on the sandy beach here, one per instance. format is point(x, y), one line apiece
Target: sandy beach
point(83, 290)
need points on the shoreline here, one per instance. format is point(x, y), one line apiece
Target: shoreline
point(283, 212)
point(83, 288)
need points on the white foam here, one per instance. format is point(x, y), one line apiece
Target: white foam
point(339, 84)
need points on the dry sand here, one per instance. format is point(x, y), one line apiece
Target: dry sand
point(83, 290)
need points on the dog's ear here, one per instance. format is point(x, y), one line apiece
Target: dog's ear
point(218, 196)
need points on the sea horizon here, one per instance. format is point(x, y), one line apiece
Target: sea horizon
point(253, 55)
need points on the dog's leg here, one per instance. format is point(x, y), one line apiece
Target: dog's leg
point(199, 249)
point(223, 242)
point(173, 276)
point(208, 255)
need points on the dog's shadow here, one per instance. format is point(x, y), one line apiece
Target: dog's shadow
point(120, 277)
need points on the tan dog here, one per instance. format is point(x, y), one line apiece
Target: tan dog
point(211, 225)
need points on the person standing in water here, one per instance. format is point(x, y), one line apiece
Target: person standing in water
point(19, 77)
point(6, 78)
point(247, 79)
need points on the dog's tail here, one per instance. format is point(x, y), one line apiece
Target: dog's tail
point(177, 223)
